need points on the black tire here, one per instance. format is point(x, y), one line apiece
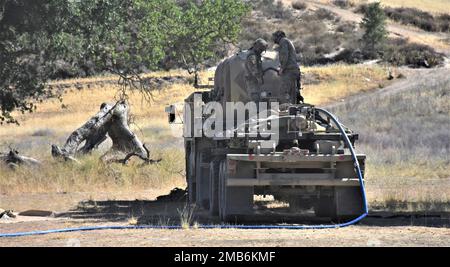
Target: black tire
point(214, 171)
point(198, 172)
point(229, 207)
point(299, 204)
point(326, 208)
point(222, 192)
point(190, 174)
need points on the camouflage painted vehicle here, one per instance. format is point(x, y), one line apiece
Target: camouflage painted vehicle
point(307, 166)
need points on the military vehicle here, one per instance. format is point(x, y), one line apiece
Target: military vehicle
point(307, 166)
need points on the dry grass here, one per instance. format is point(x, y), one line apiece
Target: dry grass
point(408, 194)
point(186, 216)
point(406, 137)
point(336, 82)
point(51, 124)
point(391, 173)
point(435, 6)
point(438, 43)
point(92, 175)
point(132, 220)
point(101, 78)
point(409, 185)
point(80, 104)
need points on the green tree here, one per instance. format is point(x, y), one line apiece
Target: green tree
point(126, 37)
point(374, 24)
point(27, 35)
point(204, 27)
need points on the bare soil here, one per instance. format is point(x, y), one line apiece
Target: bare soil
point(361, 235)
point(379, 229)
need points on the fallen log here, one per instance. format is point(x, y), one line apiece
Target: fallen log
point(112, 121)
point(13, 159)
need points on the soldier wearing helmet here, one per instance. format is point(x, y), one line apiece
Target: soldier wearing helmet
point(253, 65)
point(289, 69)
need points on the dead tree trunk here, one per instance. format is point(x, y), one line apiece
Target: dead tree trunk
point(112, 120)
point(123, 138)
point(93, 132)
point(13, 159)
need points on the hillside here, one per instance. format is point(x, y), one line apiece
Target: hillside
point(53, 121)
point(404, 132)
point(435, 6)
point(439, 41)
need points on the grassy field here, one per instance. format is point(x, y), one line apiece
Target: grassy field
point(324, 85)
point(406, 137)
point(51, 124)
point(436, 6)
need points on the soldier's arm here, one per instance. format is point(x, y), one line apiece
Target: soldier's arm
point(283, 53)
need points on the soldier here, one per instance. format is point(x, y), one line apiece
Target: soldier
point(289, 70)
point(253, 65)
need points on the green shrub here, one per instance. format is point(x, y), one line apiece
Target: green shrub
point(343, 3)
point(326, 14)
point(399, 52)
point(375, 33)
point(415, 17)
point(346, 27)
point(272, 9)
point(299, 5)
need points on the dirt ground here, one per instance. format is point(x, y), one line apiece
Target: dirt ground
point(380, 229)
point(361, 235)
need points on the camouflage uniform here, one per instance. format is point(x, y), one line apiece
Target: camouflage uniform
point(253, 66)
point(290, 69)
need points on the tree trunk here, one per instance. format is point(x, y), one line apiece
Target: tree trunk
point(123, 138)
point(112, 120)
point(13, 159)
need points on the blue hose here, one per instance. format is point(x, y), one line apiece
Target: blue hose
point(206, 226)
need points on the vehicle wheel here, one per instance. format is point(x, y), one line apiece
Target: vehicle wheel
point(198, 176)
point(190, 174)
point(214, 170)
point(202, 180)
point(222, 191)
point(234, 202)
point(299, 204)
point(326, 207)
